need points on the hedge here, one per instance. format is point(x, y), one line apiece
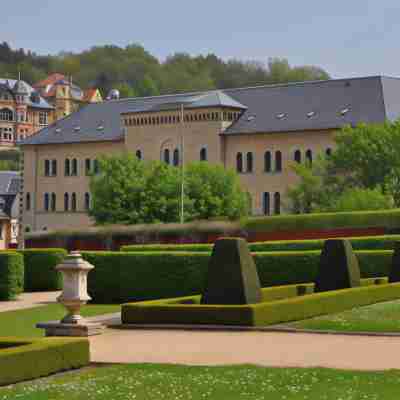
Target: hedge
point(40, 272)
point(121, 277)
point(385, 242)
point(23, 359)
point(11, 275)
point(261, 314)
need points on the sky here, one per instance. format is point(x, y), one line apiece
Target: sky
point(345, 37)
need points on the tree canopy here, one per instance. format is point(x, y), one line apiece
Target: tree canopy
point(136, 72)
point(130, 191)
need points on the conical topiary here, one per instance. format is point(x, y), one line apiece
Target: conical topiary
point(338, 267)
point(232, 274)
point(394, 273)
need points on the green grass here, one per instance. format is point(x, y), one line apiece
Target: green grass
point(171, 382)
point(21, 323)
point(380, 317)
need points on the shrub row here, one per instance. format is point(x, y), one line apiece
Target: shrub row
point(122, 277)
point(22, 359)
point(11, 275)
point(385, 242)
point(262, 314)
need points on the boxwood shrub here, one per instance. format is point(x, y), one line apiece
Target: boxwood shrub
point(386, 242)
point(40, 273)
point(122, 277)
point(11, 275)
point(260, 314)
point(23, 359)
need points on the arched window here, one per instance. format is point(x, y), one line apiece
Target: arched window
point(47, 167)
point(54, 167)
point(266, 204)
point(6, 114)
point(88, 166)
point(309, 156)
point(66, 202)
point(67, 167)
point(139, 154)
point(53, 202)
point(203, 154)
point(28, 201)
point(87, 201)
point(96, 167)
point(73, 202)
point(249, 162)
point(239, 162)
point(278, 161)
point(267, 161)
point(74, 167)
point(297, 156)
point(176, 157)
point(277, 203)
point(166, 156)
point(328, 152)
point(46, 202)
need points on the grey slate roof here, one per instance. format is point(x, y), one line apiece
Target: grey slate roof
point(272, 108)
point(9, 182)
point(22, 85)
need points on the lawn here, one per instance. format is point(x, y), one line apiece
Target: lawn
point(21, 323)
point(380, 317)
point(171, 382)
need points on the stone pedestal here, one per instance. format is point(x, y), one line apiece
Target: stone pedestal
point(75, 270)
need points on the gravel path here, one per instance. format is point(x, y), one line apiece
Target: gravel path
point(29, 300)
point(275, 349)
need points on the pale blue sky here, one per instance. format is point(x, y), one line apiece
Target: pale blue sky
point(345, 37)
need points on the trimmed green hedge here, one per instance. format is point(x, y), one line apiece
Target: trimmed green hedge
point(40, 273)
point(385, 242)
point(23, 359)
point(11, 275)
point(122, 277)
point(261, 314)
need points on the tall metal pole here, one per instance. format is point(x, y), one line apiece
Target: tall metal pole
point(182, 168)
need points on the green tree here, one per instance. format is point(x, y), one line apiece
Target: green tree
point(130, 191)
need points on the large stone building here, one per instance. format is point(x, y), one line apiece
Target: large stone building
point(258, 131)
point(22, 112)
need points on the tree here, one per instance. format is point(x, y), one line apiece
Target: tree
point(131, 191)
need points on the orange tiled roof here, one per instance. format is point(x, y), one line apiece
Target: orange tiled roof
point(89, 94)
point(50, 80)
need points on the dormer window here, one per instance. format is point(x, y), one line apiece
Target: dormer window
point(344, 111)
point(77, 128)
point(311, 114)
point(281, 115)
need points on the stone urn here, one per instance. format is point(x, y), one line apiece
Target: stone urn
point(74, 270)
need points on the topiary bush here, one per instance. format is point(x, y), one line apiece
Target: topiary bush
point(11, 275)
point(232, 274)
point(40, 272)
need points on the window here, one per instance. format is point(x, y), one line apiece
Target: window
point(73, 202)
point(166, 156)
point(328, 152)
point(278, 161)
point(28, 201)
point(74, 171)
point(267, 161)
point(46, 202)
point(27, 229)
point(66, 202)
point(96, 167)
point(6, 115)
point(203, 154)
point(249, 162)
point(239, 162)
point(46, 167)
point(266, 204)
point(309, 156)
point(176, 158)
point(139, 154)
point(88, 166)
point(87, 201)
point(53, 202)
point(54, 167)
point(43, 118)
point(67, 167)
point(277, 203)
point(297, 156)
